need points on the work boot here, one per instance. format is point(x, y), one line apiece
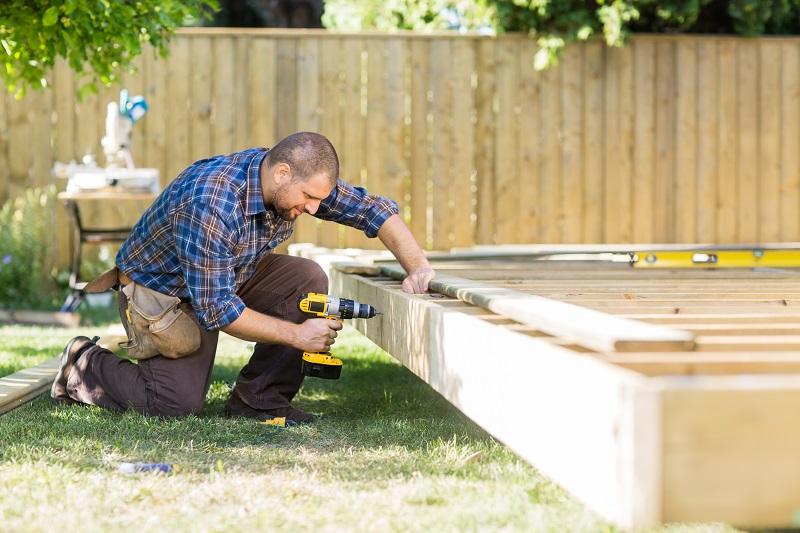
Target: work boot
point(72, 351)
point(293, 415)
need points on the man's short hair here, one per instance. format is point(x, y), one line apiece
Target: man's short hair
point(307, 154)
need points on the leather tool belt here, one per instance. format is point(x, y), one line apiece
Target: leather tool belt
point(156, 323)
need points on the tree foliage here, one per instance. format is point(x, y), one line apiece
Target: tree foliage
point(98, 38)
point(424, 15)
point(559, 22)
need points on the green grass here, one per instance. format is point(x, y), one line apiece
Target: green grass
point(388, 453)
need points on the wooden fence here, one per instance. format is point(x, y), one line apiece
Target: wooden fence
point(671, 139)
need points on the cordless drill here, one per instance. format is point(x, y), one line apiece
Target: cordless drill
point(322, 364)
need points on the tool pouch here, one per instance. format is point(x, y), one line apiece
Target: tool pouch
point(157, 325)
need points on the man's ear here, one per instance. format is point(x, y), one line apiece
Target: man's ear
point(282, 174)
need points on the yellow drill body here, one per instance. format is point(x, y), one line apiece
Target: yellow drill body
point(323, 364)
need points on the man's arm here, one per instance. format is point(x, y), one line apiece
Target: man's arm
point(313, 335)
point(398, 239)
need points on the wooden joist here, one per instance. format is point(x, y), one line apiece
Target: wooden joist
point(585, 327)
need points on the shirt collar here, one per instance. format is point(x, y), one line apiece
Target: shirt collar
point(255, 200)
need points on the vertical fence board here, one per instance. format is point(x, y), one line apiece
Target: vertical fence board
point(133, 82)
point(769, 159)
point(572, 150)
point(307, 116)
point(285, 115)
point(155, 123)
point(707, 141)
point(352, 155)
point(790, 143)
point(463, 143)
point(727, 183)
point(178, 110)
point(686, 142)
point(419, 145)
point(224, 112)
point(485, 143)
point(645, 149)
point(64, 128)
point(200, 134)
point(330, 123)
point(442, 110)
point(529, 200)
point(594, 148)
point(243, 137)
point(747, 104)
point(261, 92)
point(550, 159)
point(626, 143)
point(663, 220)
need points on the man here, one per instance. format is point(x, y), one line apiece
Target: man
point(207, 239)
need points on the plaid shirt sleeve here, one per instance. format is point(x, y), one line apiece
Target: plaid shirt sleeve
point(204, 244)
point(355, 207)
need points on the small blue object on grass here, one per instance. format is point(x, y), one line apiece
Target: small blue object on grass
point(135, 468)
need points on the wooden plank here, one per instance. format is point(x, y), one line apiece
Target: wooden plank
point(707, 141)
point(505, 169)
point(485, 134)
point(706, 363)
point(748, 143)
point(200, 135)
point(23, 386)
point(155, 125)
point(178, 110)
point(619, 141)
point(685, 196)
point(330, 122)
point(352, 155)
point(727, 183)
point(645, 151)
point(663, 212)
point(720, 461)
point(613, 427)
point(224, 112)
point(261, 92)
point(572, 112)
point(769, 156)
point(550, 201)
point(790, 143)
point(287, 90)
point(308, 117)
point(243, 138)
point(443, 201)
point(463, 148)
point(594, 167)
point(595, 330)
point(64, 94)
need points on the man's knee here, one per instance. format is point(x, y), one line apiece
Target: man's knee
point(311, 277)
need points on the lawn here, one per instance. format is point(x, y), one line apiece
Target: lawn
point(388, 453)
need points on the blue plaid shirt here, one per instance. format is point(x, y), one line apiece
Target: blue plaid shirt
point(204, 235)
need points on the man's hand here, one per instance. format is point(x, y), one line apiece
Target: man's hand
point(418, 280)
point(317, 334)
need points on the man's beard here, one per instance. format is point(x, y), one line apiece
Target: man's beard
point(285, 214)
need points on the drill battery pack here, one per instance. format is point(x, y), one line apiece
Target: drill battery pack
point(321, 365)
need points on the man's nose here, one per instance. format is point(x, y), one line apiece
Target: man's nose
point(311, 207)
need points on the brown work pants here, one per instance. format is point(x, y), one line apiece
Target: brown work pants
point(174, 387)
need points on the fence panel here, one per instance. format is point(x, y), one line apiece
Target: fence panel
point(673, 139)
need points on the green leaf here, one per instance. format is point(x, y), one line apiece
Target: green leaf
point(50, 16)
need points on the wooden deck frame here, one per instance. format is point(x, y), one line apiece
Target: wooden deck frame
point(639, 448)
